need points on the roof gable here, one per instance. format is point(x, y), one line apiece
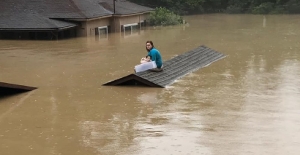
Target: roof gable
point(9, 89)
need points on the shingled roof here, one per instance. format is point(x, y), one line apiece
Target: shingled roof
point(173, 69)
point(41, 14)
point(8, 88)
point(32, 21)
point(123, 7)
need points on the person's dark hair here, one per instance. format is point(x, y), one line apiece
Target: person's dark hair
point(151, 43)
point(148, 56)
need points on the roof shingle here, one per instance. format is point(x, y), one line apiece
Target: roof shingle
point(123, 7)
point(31, 21)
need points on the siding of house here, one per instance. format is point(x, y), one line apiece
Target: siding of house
point(123, 20)
point(81, 29)
point(87, 28)
point(91, 25)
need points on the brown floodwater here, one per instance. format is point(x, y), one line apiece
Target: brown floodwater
point(246, 103)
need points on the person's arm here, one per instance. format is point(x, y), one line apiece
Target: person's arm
point(144, 59)
point(152, 55)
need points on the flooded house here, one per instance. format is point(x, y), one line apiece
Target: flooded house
point(51, 20)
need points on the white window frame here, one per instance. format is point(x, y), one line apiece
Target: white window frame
point(102, 27)
point(129, 25)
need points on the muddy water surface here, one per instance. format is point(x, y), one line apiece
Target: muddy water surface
point(247, 103)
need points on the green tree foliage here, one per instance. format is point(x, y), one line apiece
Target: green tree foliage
point(185, 6)
point(293, 6)
point(263, 8)
point(228, 6)
point(162, 16)
point(237, 6)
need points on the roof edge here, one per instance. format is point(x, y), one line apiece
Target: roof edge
point(131, 14)
point(85, 19)
point(16, 86)
point(36, 29)
point(130, 77)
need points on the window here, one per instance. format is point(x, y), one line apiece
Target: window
point(129, 29)
point(102, 32)
point(143, 23)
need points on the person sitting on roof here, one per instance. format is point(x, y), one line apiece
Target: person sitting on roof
point(155, 56)
point(146, 64)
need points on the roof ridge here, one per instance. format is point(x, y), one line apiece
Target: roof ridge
point(106, 6)
point(77, 8)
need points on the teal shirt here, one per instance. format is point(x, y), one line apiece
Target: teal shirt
point(155, 56)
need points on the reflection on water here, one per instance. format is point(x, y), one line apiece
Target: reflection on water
point(247, 103)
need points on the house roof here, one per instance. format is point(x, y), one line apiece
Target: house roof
point(91, 8)
point(173, 69)
point(32, 21)
point(23, 14)
point(123, 7)
point(9, 88)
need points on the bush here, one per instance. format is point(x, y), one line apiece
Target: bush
point(233, 9)
point(164, 17)
point(264, 8)
point(293, 6)
point(278, 10)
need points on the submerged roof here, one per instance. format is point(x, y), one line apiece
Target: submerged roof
point(173, 69)
point(8, 88)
